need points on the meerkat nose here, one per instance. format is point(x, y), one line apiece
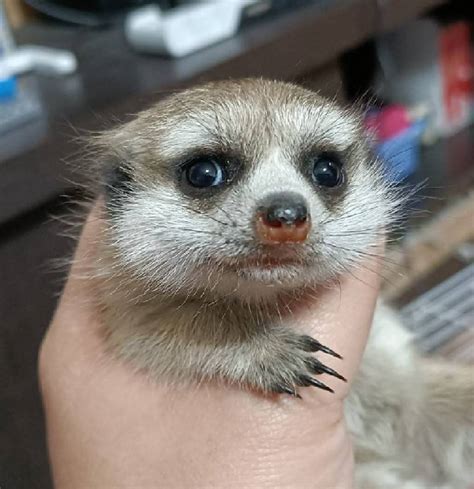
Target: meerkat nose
point(283, 218)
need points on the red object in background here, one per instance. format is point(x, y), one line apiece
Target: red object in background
point(457, 71)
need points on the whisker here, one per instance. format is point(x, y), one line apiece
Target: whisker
point(196, 211)
point(362, 254)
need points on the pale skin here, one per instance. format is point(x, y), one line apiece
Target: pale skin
point(109, 427)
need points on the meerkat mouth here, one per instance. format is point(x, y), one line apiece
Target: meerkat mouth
point(265, 262)
point(267, 259)
point(269, 262)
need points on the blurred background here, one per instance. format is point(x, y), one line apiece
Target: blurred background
point(68, 67)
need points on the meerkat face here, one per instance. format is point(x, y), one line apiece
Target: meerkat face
point(242, 188)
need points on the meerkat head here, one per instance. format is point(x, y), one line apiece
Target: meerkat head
point(243, 189)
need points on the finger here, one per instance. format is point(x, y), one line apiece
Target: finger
point(86, 251)
point(340, 317)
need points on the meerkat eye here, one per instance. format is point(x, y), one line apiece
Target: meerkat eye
point(205, 172)
point(327, 171)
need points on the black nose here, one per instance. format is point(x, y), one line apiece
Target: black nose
point(284, 208)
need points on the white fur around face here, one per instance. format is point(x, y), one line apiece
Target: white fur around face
point(173, 247)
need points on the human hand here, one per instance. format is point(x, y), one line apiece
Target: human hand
point(109, 427)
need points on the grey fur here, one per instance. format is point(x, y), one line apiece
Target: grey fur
point(178, 303)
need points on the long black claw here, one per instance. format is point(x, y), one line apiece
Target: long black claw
point(327, 350)
point(284, 389)
point(306, 380)
point(310, 344)
point(316, 367)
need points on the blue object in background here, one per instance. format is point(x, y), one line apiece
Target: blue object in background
point(8, 88)
point(401, 154)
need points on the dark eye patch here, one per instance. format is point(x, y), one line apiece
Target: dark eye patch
point(327, 171)
point(203, 175)
point(117, 185)
point(317, 162)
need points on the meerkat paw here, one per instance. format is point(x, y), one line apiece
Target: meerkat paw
point(294, 365)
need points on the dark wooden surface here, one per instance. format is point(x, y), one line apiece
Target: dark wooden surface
point(112, 83)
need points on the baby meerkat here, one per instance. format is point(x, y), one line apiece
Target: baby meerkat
point(226, 203)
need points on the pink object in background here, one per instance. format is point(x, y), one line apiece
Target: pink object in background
point(393, 120)
point(396, 131)
point(388, 122)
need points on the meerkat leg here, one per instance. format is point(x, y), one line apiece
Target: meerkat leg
point(264, 357)
point(282, 361)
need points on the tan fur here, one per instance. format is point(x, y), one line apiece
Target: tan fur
point(412, 418)
point(179, 304)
